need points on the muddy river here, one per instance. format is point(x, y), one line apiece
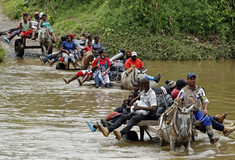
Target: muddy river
point(42, 118)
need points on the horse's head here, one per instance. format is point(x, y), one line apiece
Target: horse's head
point(44, 33)
point(183, 123)
point(139, 75)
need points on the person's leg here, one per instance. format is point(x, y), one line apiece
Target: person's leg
point(205, 120)
point(33, 35)
point(54, 36)
point(14, 34)
point(119, 122)
point(84, 79)
point(133, 120)
point(55, 60)
point(71, 56)
point(97, 81)
point(151, 78)
point(22, 39)
point(80, 73)
point(216, 125)
point(66, 60)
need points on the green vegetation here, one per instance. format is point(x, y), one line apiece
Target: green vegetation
point(156, 29)
point(2, 54)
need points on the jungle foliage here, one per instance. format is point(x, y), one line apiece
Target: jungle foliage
point(156, 29)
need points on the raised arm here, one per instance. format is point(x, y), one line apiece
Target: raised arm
point(40, 24)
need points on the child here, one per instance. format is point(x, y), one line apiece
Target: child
point(88, 47)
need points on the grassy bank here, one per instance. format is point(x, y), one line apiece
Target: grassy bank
point(156, 29)
point(2, 54)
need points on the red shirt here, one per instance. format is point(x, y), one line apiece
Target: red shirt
point(174, 93)
point(102, 62)
point(138, 63)
point(87, 48)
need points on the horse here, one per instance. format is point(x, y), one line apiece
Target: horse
point(130, 76)
point(45, 40)
point(177, 131)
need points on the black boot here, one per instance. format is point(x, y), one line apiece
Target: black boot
point(157, 79)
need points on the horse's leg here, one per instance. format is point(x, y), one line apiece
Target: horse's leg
point(43, 50)
point(172, 143)
point(188, 147)
point(162, 141)
point(48, 48)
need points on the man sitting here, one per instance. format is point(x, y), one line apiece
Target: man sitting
point(194, 95)
point(134, 61)
point(148, 97)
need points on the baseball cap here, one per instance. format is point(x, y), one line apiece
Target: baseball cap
point(133, 54)
point(181, 82)
point(191, 74)
point(35, 13)
point(40, 15)
point(172, 84)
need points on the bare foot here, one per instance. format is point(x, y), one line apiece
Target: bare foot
point(65, 80)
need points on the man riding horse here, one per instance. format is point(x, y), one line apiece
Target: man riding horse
point(194, 95)
point(134, 61)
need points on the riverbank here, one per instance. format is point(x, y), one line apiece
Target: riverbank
point(2, 54)
point(126, 25)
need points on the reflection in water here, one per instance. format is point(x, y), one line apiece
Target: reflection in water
point(42, 118)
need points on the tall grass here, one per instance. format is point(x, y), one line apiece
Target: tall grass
point(156, 29)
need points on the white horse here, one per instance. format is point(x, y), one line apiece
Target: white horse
point(45, 41)
point(178, 131)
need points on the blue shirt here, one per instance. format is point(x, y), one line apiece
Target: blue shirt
point(68, 45)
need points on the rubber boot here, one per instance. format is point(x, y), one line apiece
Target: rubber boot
point(210, 133)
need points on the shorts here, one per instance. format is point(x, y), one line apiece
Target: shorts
point(25, 33)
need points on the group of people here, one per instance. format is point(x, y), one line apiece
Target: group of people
point(144, 103)
point(28, 28)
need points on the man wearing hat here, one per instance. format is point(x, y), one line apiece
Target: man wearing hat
point(36, 16)
point(195, 95)
point(134, 61)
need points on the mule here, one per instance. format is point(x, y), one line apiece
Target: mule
point(130, 76)
point(179, 131)
point(45, 40)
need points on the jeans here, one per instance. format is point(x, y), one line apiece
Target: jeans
point(51, 56)
point(97, 81)
point(133, 119)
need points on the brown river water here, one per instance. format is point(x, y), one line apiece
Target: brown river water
point(42, 118)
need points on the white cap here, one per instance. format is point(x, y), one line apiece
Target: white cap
point(40, 15)
point(133, 54)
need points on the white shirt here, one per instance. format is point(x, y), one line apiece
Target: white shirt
point(201, 95)
point(149, 98)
